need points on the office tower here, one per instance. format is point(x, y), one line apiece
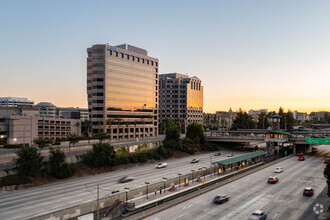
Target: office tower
point(180, 98)
point(122, 91)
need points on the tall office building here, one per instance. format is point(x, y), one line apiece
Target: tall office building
point(122, 90)
point(180, 97)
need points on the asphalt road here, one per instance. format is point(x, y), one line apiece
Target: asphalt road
point(283, 200)
point(29, 202)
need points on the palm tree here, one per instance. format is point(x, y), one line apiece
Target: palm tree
point(77, 125)
point(109, 124)
point(99, 126)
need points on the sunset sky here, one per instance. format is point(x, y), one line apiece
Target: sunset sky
point(249, 54)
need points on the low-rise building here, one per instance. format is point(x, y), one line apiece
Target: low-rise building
point(23, 124)
point(14, 101)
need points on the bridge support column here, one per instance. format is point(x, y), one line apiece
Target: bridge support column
point(294, 149)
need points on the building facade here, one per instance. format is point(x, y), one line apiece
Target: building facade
point(180, 98)
point(23, 124)
point(14, 102)
point(221, 120)
point(49, 110)
point(122, 91)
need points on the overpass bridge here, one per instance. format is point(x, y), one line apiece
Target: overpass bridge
point(275, 140)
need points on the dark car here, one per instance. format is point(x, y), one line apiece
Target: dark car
point(308, 191)
point(326, 160)
point(272, 179)
point(300, 154)
point(314, 149)
point(126, 179)
point(301, 158)
point(217, 154)
point(221, 199)
point(258, 215)
point(194, 160)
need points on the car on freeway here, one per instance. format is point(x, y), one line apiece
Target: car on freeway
point(278, 170)
point(327, 160)
point(308, 191)
point(161, 165)
point(301, 158)
point(272, 179)
point(230, 155)
point(258, 215)
point(195, 160)
point(217, 154)
point(300, 154)
point(221, 199)
point(314, 149)
point(126, 179)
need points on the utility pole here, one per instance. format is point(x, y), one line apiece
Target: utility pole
point(98, 203)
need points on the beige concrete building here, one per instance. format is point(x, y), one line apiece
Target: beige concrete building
point(220, 120)
point(122, 91)
point(23, 124)
point(180, 98)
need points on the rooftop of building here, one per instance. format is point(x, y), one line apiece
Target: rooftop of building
point(17, 99)
point(45, 104)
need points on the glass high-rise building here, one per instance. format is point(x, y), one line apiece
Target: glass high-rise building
point(180, 98)
point(122, 90)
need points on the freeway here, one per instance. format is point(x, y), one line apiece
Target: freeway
point(283, 200)
point(7, 155)
point(26, 203)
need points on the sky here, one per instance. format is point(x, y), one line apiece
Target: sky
point(249, 54)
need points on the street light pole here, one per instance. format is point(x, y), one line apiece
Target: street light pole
point(147, 183)
point(127, 190)
point(98, 203)
point(204, 168)
point(179, 178)
point(164, 179)
point(193, 175)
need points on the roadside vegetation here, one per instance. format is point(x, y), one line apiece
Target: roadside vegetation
point(30, 165)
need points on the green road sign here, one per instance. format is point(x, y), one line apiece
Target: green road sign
point(317, 140)
point(313, 140)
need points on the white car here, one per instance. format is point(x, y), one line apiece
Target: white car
point(161, 165)
point(278, 170)
point(230, 155)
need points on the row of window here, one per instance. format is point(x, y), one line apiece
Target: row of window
point(132, 58)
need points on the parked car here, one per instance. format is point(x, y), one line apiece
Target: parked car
point(300, 154)
point(221, 199)
point(195, 160)
point(258, 215)
point(308, 191)
point(230, 155)
point(272, 179)
point(301, 158)
point(161, 165)
point(278, 170)
point(126, 179)
point(327, 160)
point(217, 154)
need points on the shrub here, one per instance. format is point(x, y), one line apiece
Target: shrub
point(15, 180)
point(15, 146)
point(65, 170)
point(29, 161)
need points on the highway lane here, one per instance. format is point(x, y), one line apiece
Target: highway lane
point(283, 200)
point(28, 202)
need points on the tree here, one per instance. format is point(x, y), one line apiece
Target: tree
point(58, 167)
point(326, 174)
point(102, 154)
point(223, 123)
point(109, 121)
point(263, 122)
point(101, 136)
point(195, 132)
point(86, 127)
point(29, 161)
point(73, 139)
point(42, 142)
point(77, 125)
point(243, 121)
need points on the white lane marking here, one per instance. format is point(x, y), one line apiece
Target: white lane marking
point(182, 215)
point(275, 215)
